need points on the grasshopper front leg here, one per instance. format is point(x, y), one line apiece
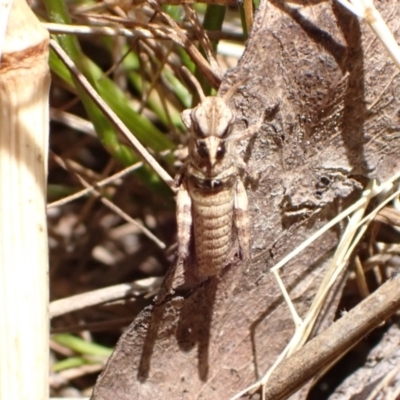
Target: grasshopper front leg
point(184, 221)
point(242, 221)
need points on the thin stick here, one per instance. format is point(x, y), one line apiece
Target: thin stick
point(101, 296)
point(90, 189)
point(367, 195)
point(113, 207)
point(114, 119)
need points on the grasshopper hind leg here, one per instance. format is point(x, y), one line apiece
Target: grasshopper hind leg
point(184, 221)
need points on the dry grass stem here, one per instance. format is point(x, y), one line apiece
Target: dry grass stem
point(203, 39)
point(360, 276)
point(112, 116)
point(5, 7)
point(73, 121)
point(24, 116)
point(117, 210)
point(101, 296)
point(384, 383)
point(366, 9)
point(100, 184)
point(248, 13)
point(212, 73)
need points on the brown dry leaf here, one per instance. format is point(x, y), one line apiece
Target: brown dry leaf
point(328, 94)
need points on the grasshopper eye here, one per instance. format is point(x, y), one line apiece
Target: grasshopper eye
point(220, 151)
point(196, 129)
point(227, 131)
point(202, 150)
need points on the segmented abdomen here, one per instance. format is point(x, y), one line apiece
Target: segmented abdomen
point(212, 227)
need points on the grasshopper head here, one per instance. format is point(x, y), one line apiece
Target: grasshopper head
point(210, 124)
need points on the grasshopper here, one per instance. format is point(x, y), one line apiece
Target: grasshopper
point(212, 200)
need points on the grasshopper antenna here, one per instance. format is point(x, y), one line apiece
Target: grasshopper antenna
point(194, 82)
point(232, 89)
